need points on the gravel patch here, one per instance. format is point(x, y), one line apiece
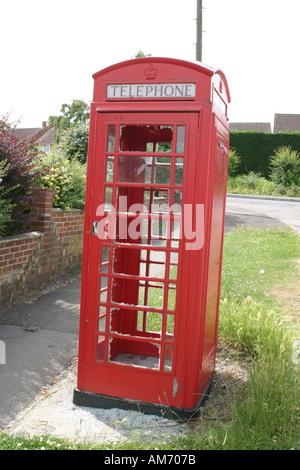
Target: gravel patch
point(53, 413)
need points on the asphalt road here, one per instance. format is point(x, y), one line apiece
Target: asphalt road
point(262, 212)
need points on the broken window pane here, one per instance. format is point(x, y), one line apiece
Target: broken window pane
point(134, 353)
point(145, 138)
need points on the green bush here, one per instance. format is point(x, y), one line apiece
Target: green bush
point(6, 206)
point(66, 176)
point(250, 184)
point(20, 174)
point(285, 167)
point(233, 162)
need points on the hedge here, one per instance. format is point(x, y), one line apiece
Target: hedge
point(256, 149)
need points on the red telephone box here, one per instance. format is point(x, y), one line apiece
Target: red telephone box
point(154, 222)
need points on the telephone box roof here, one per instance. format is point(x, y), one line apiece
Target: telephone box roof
point(196, 66)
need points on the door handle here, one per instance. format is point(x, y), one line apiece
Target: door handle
point(95, 228)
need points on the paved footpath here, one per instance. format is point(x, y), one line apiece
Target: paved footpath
point(41, 338)
point(40, 332)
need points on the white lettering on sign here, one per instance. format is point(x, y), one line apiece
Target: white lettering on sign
point(157, 90)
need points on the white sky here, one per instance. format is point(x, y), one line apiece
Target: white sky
point(49, 50)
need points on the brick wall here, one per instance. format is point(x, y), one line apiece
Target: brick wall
point(52, 249)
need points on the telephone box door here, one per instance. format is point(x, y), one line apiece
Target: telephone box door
point(142, 172)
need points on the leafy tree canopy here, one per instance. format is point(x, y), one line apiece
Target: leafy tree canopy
point(74, 142)
point(77, 112)
point(141, 54)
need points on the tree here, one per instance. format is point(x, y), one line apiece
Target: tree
point(77, 112)
point(74, 142)
point(141, 54)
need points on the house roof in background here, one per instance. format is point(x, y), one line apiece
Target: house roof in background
point(250, 126)
point(47, 137)
point(286, 123)
point(27, 132)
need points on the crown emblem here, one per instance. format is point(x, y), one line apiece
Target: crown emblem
point(150, 73)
